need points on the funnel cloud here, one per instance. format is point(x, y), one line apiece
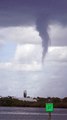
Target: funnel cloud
point(20, 55)
point(41, 26)
point(41, 13)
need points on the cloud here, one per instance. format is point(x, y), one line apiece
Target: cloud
point(28, 53)
point(27, 24)
point(25, 59)
point(57, 54)
point(48, 79)
point(21, 67)
point(58, 35)
point(19, 34)
point(27, 11)
point(32, 76)
point(38, 13)
point(28, 58)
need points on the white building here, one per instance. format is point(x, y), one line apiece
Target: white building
point(28, 99)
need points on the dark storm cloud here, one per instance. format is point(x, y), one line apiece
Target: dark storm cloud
point(21, 12)
point(30, 12)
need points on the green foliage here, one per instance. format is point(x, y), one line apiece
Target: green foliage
point(56, 100)
point(65, 100)
point(9, 101)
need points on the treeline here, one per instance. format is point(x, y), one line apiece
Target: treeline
point(13, 102)
point(58, 102)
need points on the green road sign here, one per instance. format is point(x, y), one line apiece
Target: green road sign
point(49, 107)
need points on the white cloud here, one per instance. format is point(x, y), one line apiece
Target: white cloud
point(35, 78)
point(57, 54)
point(29, 35)
point(24, 51)
point(28, 58)
point(25, 71)
point(57, 35)
point(19, 34)
point(21, 67)
point(28, 53)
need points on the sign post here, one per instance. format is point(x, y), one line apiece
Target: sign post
point(49, 109)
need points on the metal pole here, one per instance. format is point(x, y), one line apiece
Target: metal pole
point(49, 116)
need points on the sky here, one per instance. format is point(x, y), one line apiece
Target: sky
point(33, 48)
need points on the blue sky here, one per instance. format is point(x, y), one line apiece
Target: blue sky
point(7, 51)
point(28, 30)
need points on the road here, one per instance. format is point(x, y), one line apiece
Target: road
point(16, 113)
